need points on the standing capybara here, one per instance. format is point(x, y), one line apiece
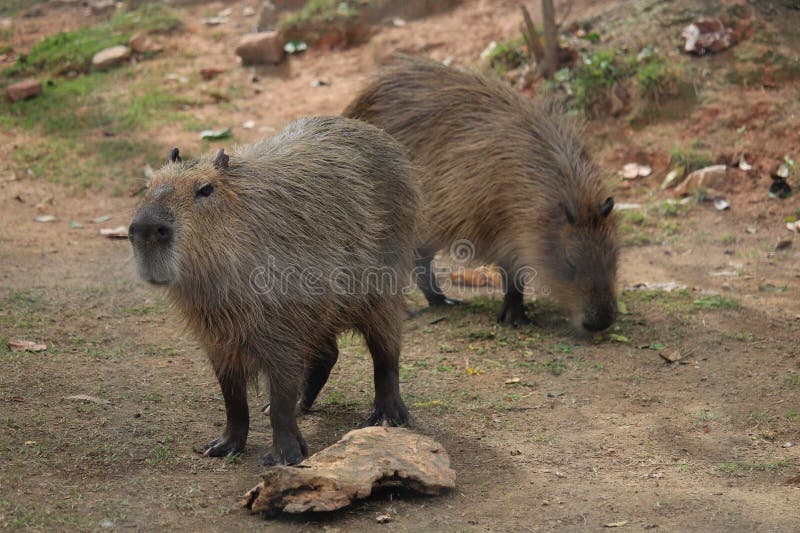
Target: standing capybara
point(272, 251)
point(505, 177)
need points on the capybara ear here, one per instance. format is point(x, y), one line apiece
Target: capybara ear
point(221, 161)
point(607, 206)
point(570, 214)
point(174, 156)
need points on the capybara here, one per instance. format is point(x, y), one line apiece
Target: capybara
point(505, 177)
point(273, 250)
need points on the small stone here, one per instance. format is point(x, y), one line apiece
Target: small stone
point(261, 48)
point(24, 89)
point(783, 171)
point(707, 178)
point(383, 518)
point(141, 44)
point(249, 124)
point(111, 57)
point(45, 218)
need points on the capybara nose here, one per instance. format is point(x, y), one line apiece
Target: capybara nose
point(150, 231)
point(601, 318)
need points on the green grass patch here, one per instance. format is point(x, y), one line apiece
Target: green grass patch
point(507, 55)
point(713, 302)
point(735, 468)
point(73, 50)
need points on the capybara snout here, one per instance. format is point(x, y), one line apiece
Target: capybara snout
point(152, 234)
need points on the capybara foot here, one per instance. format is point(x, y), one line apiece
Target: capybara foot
point(288, 451)
point(393, 413)
point(224, 446)
point(513, 316)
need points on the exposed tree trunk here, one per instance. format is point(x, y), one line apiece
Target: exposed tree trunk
point(531, 37)
point(550, 39)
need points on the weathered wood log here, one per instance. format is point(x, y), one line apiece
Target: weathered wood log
point(350, 469)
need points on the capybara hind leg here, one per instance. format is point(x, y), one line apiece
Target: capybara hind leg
point(318, 372)
point(389, 406)
point(426, 280)
point(232, 441)
point(288, 445)
point(513, 310)
point(316, 376)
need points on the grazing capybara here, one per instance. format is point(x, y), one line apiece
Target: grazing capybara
point(505, 179)
point(273, 250)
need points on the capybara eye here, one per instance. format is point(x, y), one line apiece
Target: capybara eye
point(205, 191)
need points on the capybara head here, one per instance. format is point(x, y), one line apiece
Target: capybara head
point(580, 261)
point(184, 201)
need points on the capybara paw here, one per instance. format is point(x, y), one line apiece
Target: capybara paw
point(395, 415)
point(223, 446)
point(287, 454)
point(514, 317)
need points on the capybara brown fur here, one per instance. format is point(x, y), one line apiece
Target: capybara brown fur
point(503, 179)
point(272, 251)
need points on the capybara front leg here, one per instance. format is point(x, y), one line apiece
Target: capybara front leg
point(288, 445)
point(513, 310)
point(389, 406)
point(233, 440)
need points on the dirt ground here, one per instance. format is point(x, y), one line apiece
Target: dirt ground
point(546, 429)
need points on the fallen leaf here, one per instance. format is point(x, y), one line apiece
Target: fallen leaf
point(471, 371)
point(671, 357)
point(383, 518)
point(45, 218)
point(618, 338)
point(295, 47)
point(17, 345)
point(216, 134)
point(249, 124)
point(721, 204)
point(621, 523)
point(120, 232)
point(87, 399)
point(622, 206)
point(512, 381)
point(100, 220)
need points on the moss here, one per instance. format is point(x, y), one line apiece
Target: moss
point(73, 50)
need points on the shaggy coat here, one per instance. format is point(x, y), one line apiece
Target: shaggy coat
point(508, 175)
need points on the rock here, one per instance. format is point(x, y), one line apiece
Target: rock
point(111, 57)
point(141, 44)
point(24, 89)
point(706, 35)
point(707, 179)
point(261, 48)
point(350, 469)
